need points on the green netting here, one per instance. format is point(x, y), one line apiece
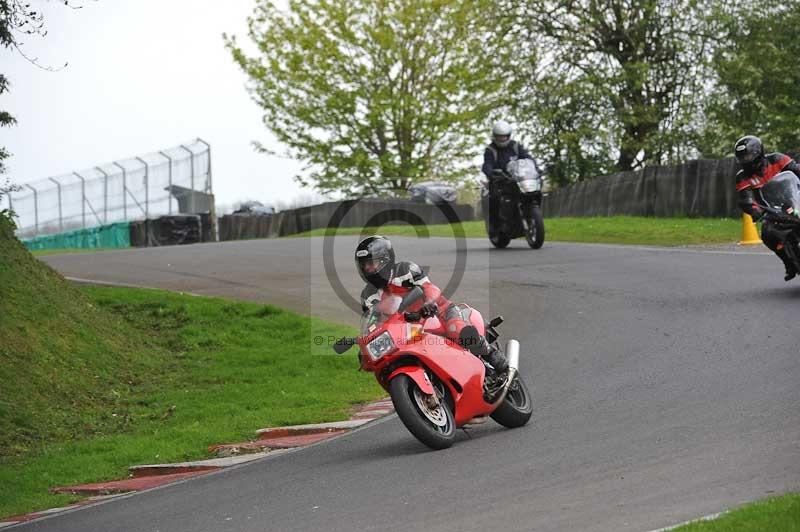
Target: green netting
point(105, 236)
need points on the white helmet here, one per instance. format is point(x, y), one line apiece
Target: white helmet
point(501, 133)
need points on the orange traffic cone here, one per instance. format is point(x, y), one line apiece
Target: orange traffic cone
point(749, 231)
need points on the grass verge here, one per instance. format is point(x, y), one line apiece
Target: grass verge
point(776, 514)
point(61, 251)
point(609, 230)
point(214, 371)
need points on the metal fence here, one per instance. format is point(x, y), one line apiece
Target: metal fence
point(695, 188)
point(137, 188)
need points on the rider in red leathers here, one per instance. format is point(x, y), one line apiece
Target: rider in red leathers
point(375, 261)
point(758, 168)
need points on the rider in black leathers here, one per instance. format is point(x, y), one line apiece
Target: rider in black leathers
point(502, 150)
point(757, 169)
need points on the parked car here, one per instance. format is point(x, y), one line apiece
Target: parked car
point(256, 208)
point(433, 192)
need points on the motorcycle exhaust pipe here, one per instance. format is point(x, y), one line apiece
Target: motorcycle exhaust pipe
point(512, 354)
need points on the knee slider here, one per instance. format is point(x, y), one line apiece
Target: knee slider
point(469, 337)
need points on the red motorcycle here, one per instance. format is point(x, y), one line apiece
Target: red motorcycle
point(436, 385)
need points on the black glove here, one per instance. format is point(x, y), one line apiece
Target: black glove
point(412, 316)
point(498, 173)
point(757, 214)
point(429, 310)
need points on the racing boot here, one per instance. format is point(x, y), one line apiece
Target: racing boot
point(478, 346)
point(497, 359)
point(791, 271)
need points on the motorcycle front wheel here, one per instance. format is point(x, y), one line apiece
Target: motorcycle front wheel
point(535, 234)
point(432, 424)
point(517, 408)
point(498, 239)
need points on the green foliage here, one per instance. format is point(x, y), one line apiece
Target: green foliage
point(17, 17)
point(64, 364)
point(776, 514)
point(372, 95)
point(99, 379)
point(7, 215)
point(613, 79)
point(564, 127)
point(608, 230)
point(6, 120)
point(758, 88)
point(375, 94)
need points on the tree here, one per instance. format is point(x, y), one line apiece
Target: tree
point(375, 94)
point(758, 84)
point(16, 18)
point(565, 128)
point(632, 69)
point(13, 16)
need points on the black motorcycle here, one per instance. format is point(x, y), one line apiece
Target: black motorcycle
point(780, 201)
point(511, 202)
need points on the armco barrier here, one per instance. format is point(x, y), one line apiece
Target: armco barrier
point(360, 213)
point(695, 188)
point(104, 236)
point(161, 231)
point(167, 231)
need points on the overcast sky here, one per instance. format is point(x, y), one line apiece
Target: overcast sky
point(143, 75)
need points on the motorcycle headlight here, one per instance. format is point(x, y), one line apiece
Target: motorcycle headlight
point(380, 346)
point(530, 185)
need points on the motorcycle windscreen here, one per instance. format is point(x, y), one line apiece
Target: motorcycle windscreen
point(378, 313)
point(782, 192)
point(524, 172)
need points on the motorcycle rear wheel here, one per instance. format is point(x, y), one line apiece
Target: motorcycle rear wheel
point(517, 408)
point(435, 427)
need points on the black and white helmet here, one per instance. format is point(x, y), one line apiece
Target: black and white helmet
point(375, 260)
point(749, 152)
point(501, 133)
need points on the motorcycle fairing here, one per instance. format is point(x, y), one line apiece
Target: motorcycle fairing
point(459, 370)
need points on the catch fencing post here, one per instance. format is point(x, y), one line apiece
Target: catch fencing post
point(191, 162)
point(170, 180)
point(146, 187)
point(105, 194)
point(124, 190)
point(60, 212)
point(210, 190)
point(83, 198)
point(85, 201)
point(35, 210)
point(209, 186)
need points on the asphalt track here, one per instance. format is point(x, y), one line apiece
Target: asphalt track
point(666, 387)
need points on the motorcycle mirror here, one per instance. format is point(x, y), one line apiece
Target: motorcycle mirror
point(343, 345)
point(496, 321)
